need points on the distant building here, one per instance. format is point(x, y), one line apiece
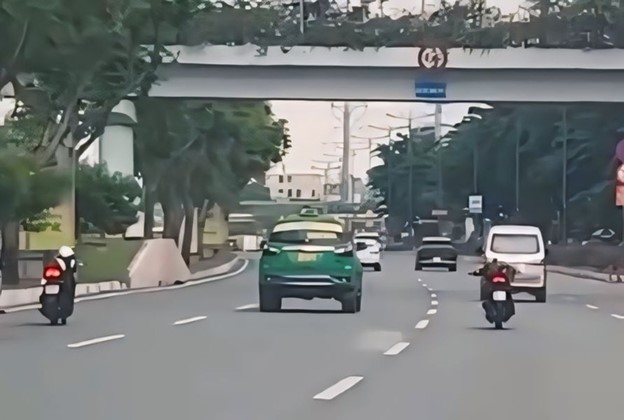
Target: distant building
point(304, 186)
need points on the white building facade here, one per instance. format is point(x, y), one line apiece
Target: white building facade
point(295, 186)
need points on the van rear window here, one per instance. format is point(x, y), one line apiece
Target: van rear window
point(515, 244)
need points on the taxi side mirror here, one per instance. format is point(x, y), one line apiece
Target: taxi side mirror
point(263, 244)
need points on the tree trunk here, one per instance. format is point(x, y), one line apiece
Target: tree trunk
point(201, 224)
point(10, 253)
point(173, 215)
point(187, 237)
point(149, 202)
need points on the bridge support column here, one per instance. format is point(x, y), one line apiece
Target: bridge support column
point(117, 142)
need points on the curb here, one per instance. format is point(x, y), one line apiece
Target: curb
point(111, 289)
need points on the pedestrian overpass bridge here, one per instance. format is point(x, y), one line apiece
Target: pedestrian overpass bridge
point(387, 74)
point(393, 74)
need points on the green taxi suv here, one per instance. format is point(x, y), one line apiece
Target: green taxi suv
point(308, 256)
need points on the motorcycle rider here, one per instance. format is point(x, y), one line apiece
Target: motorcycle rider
point(68, 287)
point(487, 271)
point(61, 306)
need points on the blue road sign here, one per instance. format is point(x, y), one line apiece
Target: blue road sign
point(430, 90)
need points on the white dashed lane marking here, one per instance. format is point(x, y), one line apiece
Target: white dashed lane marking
point(189, 320)
point(434, 303)
point(95, 341)
point(616, 316)
point(432, 311)
point(422, 324)
point(338, 388)
point(250, 306)
point(592, 306)
point(433, 295)
point(396, 349)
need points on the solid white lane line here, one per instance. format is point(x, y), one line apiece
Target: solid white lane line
point(189, 283)
point(433, 295)
point(422, 324)
point(592, 306)
point(434, 303)
point(616, 316)
point(95, 341)
point(250, 306)
point(338, 388)
point(396, 349)
point(432, 311)
point(189, 320)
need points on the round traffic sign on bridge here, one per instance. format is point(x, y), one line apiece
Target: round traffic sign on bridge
point(432, 58)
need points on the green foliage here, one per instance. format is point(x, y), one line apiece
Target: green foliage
point(27, 191)
point(553, 23)
point(106, 203)
point(207, 150)
point(593, 132)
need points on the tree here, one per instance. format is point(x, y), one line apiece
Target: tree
point(195, 154)
point(106, 203)
point(27, 192)
point(592, 132)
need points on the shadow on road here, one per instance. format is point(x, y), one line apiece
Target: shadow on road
point(34, 324)
point(489, 329)
point(297, 311)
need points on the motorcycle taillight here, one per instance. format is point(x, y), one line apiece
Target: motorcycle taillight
point(499, 279)
point(52, 273)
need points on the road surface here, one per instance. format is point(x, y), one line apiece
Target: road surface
point(418, 350)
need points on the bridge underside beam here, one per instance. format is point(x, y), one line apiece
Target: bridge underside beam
point(387, 84)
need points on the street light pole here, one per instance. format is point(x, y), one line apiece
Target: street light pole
point(301, 16)
point(517, 167)
point(475, 168)
point(564, 189)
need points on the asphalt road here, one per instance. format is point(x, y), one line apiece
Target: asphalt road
point(226, 361)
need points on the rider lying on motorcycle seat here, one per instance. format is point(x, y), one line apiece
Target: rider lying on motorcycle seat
point(487, 271)
point(493, 267)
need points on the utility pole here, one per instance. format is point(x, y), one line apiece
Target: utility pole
point(438, 136)
point(346, 133)
point(326, 171)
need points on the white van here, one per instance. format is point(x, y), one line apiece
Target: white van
point(523, 248)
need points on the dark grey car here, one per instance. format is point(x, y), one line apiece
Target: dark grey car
point(436, 252)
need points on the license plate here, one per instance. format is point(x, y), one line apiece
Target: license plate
point(52, 289)
point(499, 295)
point(306, 257)
point(437, 259)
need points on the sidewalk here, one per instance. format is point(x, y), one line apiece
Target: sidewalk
point(28, 292)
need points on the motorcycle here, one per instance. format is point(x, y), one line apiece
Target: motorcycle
point(59, 284)
point(499, 307)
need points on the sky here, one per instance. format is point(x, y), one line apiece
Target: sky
point(314, 123)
